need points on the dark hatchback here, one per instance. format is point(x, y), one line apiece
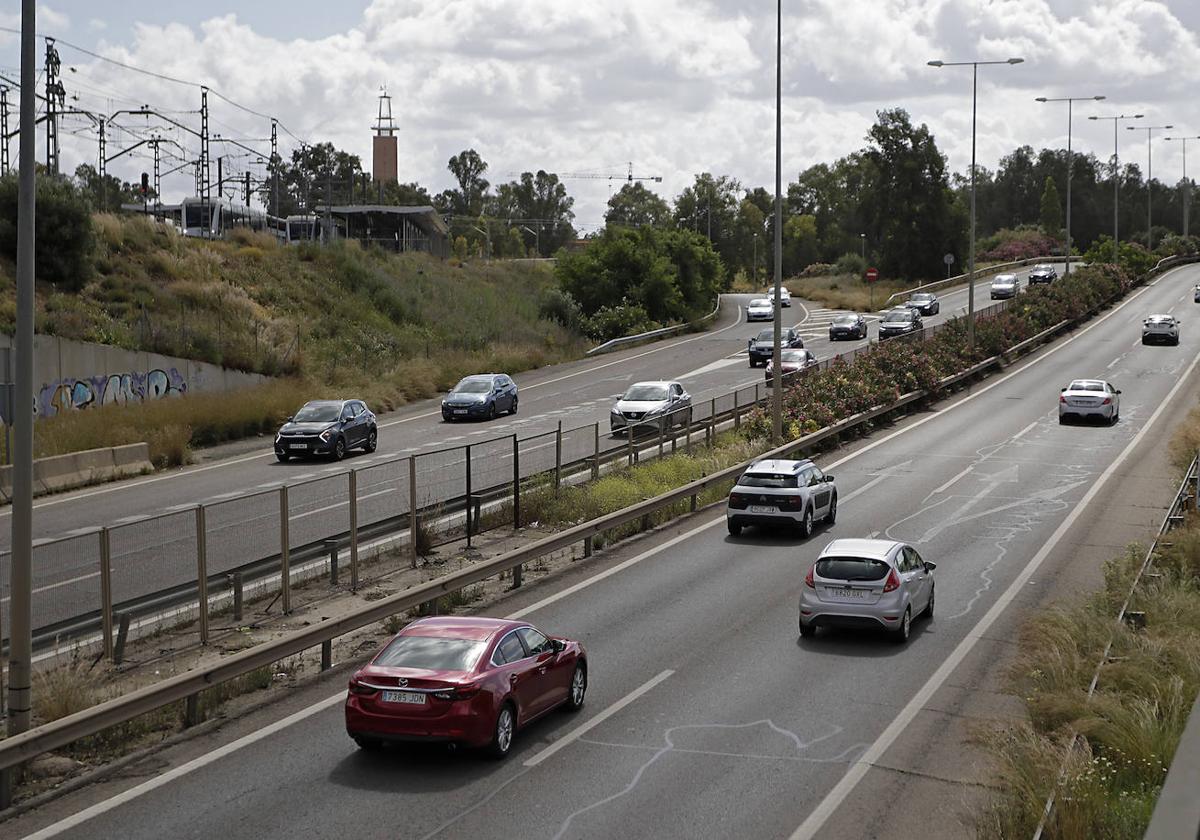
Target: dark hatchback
point(762, 349)
point(482, 395)
point(327, 427)
point(901, 321)
point(1042, 274)
point(848, 326)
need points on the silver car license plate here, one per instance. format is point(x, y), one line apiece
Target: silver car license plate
point(416, 698)
point(460, 411)
point(297, 446)
point(763, 509)
point(851, 594)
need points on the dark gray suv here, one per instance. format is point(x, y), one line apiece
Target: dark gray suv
point(327, 427)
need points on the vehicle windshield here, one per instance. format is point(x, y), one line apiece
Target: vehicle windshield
point(846, 319)
point(318, 413)
point(1161, 319)
point(761, 302)
point(767, 335)
point(1082, 385)
point(473, 386)
point(1003, 280)
point(897, 317)
point(751, 479)
point(852, 568)
point(644, 392)
point(793, 355)
point(921, 298)
point(432, 653)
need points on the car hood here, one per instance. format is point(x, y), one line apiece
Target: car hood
point(307, 428)
point(896, 325)
point(465, 399)
point(1001, 284)
point(640, 405)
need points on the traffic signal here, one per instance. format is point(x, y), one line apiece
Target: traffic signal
point(145, 184)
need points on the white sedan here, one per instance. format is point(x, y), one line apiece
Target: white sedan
point(1088, 398)
point(785, 297)
point(760, 309)
point(1164, 328)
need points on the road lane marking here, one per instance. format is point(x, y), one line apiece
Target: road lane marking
point(827, 806)
point(336, 505)
point(574, 734)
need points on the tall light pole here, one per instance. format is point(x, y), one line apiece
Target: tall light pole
point(862, 237)
point(1187, 186)
point(974, 65)
point(777, 391)
point(1116, 175)
point(1070, 100)
point(754, 264)
point(1149, 176)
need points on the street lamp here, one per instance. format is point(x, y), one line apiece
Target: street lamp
point(862, 237)
point(754, 264)
point(974, 65)
point(777, 391)
point(1070, 100)
point(1187, 186)
point(1116, 172)
point(1149, 176)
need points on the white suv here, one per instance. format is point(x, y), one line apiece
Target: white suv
point(1164, 328)
point(779, 492)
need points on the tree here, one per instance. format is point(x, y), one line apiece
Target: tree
point(405, 195)
point(63, 237)
point(541, 204)
point(316, 176)
point(800, 245)
point(1051, 215)
point(710, 207)
point(108, 194)
point(467, 167)
point(635, 206)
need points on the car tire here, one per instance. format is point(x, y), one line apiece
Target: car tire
point(514, 406)
point(1113, 420)
point(831, 517)
point(578, 688)
point(372, 441)
point(807, 631)
point(1144, 341)
point(928, 613)
point(900, 634)
point(1062, 421)
point(339, 448)
point(491, 415)
point(282, 457)
point(734, 528)
point(806, 524)
point(502, 732)
point(367, 744)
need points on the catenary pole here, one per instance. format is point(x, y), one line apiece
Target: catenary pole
point(777, 391)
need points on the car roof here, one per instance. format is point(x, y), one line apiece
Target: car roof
point(663, 382)
point(852, 547)
point(779, 465)
point(473, 628)
point(1043, 267)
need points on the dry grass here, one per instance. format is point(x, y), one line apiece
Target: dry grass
point(843, 292)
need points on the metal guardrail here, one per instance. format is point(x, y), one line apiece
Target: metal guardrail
point(613, 343)
point(979, 273)
point(1177, 812)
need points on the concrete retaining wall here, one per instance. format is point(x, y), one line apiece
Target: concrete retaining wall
point(73, 375)
point(78, 469)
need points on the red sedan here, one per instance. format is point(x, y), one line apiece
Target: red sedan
point(465, 680)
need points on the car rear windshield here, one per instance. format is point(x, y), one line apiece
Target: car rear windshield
point(852, 568)
point(325, 413)
point(433, 653)
point(897, 317)
point(646, 392)
point(846, 319)
point(473, 386)
point(768, 480)
point(1078, 385)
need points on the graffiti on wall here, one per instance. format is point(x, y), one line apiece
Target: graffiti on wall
point(116, 388)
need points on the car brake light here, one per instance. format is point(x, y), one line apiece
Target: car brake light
point(893, 581)
point(462, 692)
point(808, 578)
point(358, 688)
point(1107, 401)
point(1062, 398)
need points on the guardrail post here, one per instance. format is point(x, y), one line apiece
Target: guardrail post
point(516, 483)
point(191, 711)
point(1196, 462)
point(353, 493)
point(558, 458)
point(412, 510)
point(285, 557)
point(122, 637)
point(694, 498)
point(596, 454)
point(326, 654)
point(629, 443)
point(467, 476)
point(236, 581)
point(106, 615)
point(587, 547)
point(202, 572)
point(712, 422)
point(518, 574)
point(332, 547)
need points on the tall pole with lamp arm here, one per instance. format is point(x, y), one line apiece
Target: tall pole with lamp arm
point(1070, 100)
point(1116, 120)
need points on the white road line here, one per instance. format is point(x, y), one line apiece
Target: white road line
point(942, 487)
point(575, 734)
point(825, 809)
point(1113, 363)
point(341, 504)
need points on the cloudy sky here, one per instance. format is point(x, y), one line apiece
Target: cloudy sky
point(677, 87)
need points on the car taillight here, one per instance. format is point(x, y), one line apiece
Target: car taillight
point(1107, 401)
point(462, 692)
point(790, 502)
point(737, 500)
point(893, 581)
point(808, 578)
point(1062, 398)
point(358, 688)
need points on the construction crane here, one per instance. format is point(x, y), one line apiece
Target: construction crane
point(626, 176)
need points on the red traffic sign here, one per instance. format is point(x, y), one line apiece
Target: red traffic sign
point(872, 275)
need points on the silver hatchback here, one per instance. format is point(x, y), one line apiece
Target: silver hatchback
point(868, 584)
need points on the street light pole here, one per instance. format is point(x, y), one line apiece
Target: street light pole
point(1149, 177)
point(1187, 186)
point(1116, 177)
point(777, 390)
point(1070, 100)
point(974, 65)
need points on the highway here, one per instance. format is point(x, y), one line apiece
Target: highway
point(707, 716)
point(242, 491)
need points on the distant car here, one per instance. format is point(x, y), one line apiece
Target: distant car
point(781, 493)
point(791, 362)
point(1005, 286)
point(785, 297)
point(1043, 273)
point(925, 302)
point(868, 584)
point(850, 325)
point(655, 405)
point(463, 680)
point(900, 321)
point(1160, 328)
point(760, 309)
point(1088, 398)
point(327, 427)
point(482, 395)
point(762, 348)
point(1196, 295)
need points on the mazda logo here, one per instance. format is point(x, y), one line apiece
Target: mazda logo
point(402, 682)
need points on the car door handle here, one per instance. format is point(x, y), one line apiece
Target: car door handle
point(512, 678)
point(542, 670)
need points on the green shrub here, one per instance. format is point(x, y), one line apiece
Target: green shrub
point(852, 264)
point(63, 238)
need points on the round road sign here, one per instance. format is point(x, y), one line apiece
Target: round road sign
point(872, 275)
point(948, 259)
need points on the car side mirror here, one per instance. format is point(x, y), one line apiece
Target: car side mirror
point(289, 419)
point(828, 479)
point(929, 567)
point(1062, 390)
point(1117, 391)
point(558, 645)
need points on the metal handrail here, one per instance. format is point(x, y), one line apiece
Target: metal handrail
point(630, 339)
point(979, 272)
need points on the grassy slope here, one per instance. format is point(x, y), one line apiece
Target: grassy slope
point(338, 321)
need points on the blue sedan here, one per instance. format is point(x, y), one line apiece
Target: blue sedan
point(482, 395)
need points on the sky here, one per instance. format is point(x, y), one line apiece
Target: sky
point(677, 87)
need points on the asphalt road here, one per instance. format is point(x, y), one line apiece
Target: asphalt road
point(707, 716)
point(242, 492)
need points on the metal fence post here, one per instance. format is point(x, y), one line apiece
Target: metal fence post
point(629, 444)
point(353, 493)
point(467, 475)
point(202, 572)
point(596, 454)
point(106, 614)
point(285, 559)
point(1197, 493)
point(558, 458)
point(516, 450)
point(687, 444)
point(662, 437)
point(757, 398)
point(412, 509)
point(737, 415)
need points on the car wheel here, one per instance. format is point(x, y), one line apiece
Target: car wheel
point(502, 733)
point(578, 688)
point(900, 634)
point(806, 526)
point(372, 441)
point(1112, 421)
point(514, 406)
point(807, 631)
point(367, 744)
point(491, 415)
point(735, 529)
point(339, 448)
point(283, 457)
point(1062, 421)
point(929, 607)
point(831, 517)
point(1144, 341)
